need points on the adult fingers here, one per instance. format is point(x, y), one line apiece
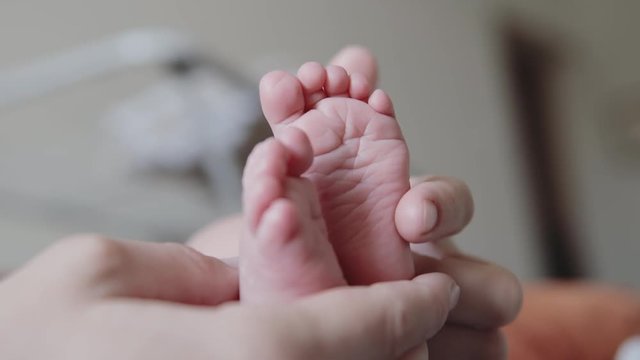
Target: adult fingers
point(434, 208)
point(460, 343)
point(491, 296)
point(383, 321)
point(90, 265)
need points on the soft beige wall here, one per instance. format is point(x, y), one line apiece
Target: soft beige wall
point(600, 63)
point(606, 61)
point(438, 60)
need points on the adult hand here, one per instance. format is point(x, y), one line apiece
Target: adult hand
point(93, 298)
point(433, 210)
point(428, 215)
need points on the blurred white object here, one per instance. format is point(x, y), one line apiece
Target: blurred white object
point(154, 128)
point(194, 120)
point(198, 117)
point(630, 349)
point(133, 48)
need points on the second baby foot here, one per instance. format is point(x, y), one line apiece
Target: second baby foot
point(285, 252)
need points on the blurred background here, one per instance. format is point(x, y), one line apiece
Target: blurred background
point(131, 118)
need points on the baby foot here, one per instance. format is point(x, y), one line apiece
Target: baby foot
point(360, 163)
point(285, 252)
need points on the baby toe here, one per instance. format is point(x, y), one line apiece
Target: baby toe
point(338, 81)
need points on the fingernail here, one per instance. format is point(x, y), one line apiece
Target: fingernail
point(454, 296)
point(429, 216)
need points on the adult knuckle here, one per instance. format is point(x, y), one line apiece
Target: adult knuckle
point(94, 255)
point(400, 317)
point(99, 250)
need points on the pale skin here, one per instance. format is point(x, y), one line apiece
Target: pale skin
point(493, 294)
point(357, 161)
point(89, 297)
point(92, 297)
